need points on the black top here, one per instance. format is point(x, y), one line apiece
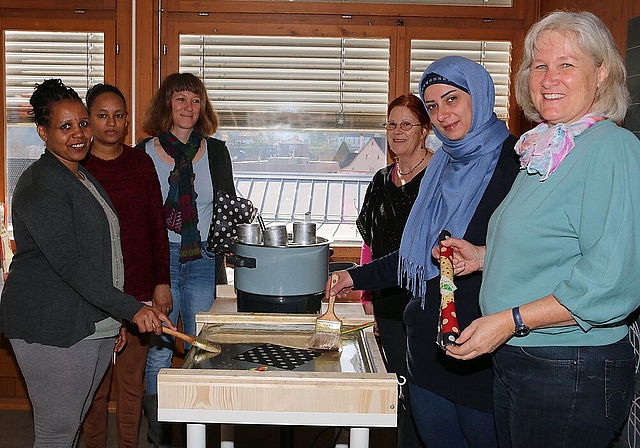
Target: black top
point(382, 218)
point(468, 383)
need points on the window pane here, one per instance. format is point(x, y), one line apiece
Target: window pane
point(302, 116)
point(30, 58)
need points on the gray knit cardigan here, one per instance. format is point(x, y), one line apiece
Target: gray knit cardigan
point(60, 281)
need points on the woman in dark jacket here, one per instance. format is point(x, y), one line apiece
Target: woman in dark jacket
point(62, 303)
point(382, 218)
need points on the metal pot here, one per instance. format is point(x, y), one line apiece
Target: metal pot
point(282, 273)
point(304, 232)
point(275, 235)
point(249, 233)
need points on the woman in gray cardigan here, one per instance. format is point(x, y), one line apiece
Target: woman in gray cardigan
point(62, 303)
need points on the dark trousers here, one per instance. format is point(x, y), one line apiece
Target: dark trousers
point(548, 397)
point(445, 424)
point(393, 338)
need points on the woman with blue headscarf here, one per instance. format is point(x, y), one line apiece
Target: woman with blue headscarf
point(466, 180)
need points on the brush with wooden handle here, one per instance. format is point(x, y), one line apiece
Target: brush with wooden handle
point(196, 341)
point(328, 326)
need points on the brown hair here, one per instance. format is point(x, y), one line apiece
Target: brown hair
point(414, 104)
point(158, 118)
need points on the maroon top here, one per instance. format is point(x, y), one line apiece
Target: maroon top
point(132, 184)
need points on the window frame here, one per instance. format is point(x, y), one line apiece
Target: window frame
point(398, 31)
point(518, 10)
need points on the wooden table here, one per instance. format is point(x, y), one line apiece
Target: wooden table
point(358, 400)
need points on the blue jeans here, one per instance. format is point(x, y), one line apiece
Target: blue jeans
point(550, 397)
point(193, 289)
point(444, 424)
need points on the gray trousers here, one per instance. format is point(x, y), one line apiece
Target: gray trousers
point(61, 384)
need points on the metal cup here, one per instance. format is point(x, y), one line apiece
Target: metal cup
point(249, 233)
point(304, 233)
point(275, 235)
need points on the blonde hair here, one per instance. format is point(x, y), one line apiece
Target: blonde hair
point(595, 40)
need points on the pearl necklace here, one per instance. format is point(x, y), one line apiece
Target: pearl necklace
point(411, 170)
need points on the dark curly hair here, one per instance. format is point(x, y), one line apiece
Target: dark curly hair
point(97, 90)
point(45, 95)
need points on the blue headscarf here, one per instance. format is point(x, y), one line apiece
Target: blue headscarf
point(457, 175)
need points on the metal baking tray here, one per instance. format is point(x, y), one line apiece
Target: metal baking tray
point(236, 339)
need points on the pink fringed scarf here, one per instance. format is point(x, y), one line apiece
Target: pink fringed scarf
point(543, 148)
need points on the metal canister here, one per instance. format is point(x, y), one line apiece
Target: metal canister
point(249, 233)
point(304, 232)
point(275, 235)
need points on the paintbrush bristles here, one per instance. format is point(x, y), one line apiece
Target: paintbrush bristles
point(206, 345)
point(328, 326)
point(324, 341)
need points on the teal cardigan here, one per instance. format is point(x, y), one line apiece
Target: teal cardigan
point(576, 235)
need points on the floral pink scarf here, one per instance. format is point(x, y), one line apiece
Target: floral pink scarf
point(543, 148)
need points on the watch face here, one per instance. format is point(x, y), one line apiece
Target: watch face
point(521, 331)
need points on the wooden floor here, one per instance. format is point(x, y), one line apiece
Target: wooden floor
point(16, 431)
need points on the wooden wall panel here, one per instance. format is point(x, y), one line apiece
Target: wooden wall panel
point(105, 5)
point(632, 121)
point(518, 10)
point(146, 60)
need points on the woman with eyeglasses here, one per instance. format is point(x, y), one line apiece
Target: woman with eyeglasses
point(467, 178)
point(382, 217)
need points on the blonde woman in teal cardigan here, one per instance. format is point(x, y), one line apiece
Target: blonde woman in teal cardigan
point(560, 268)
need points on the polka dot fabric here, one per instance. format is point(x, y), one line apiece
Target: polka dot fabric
point(229, 211)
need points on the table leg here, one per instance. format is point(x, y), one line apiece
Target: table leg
point(286, 436)
point(226, 436)
point(342, 438)
point(196, 435)
point(359, 438)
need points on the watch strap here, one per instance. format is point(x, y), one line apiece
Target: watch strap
point(520, 328)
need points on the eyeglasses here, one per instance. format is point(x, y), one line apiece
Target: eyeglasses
point(404, 125)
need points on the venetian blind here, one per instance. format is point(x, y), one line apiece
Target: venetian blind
point(494, 56)
point(33, 56)
point(261, 82)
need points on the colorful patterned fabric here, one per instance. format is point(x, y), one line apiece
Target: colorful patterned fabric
point(543, 148)
point(180, 209)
